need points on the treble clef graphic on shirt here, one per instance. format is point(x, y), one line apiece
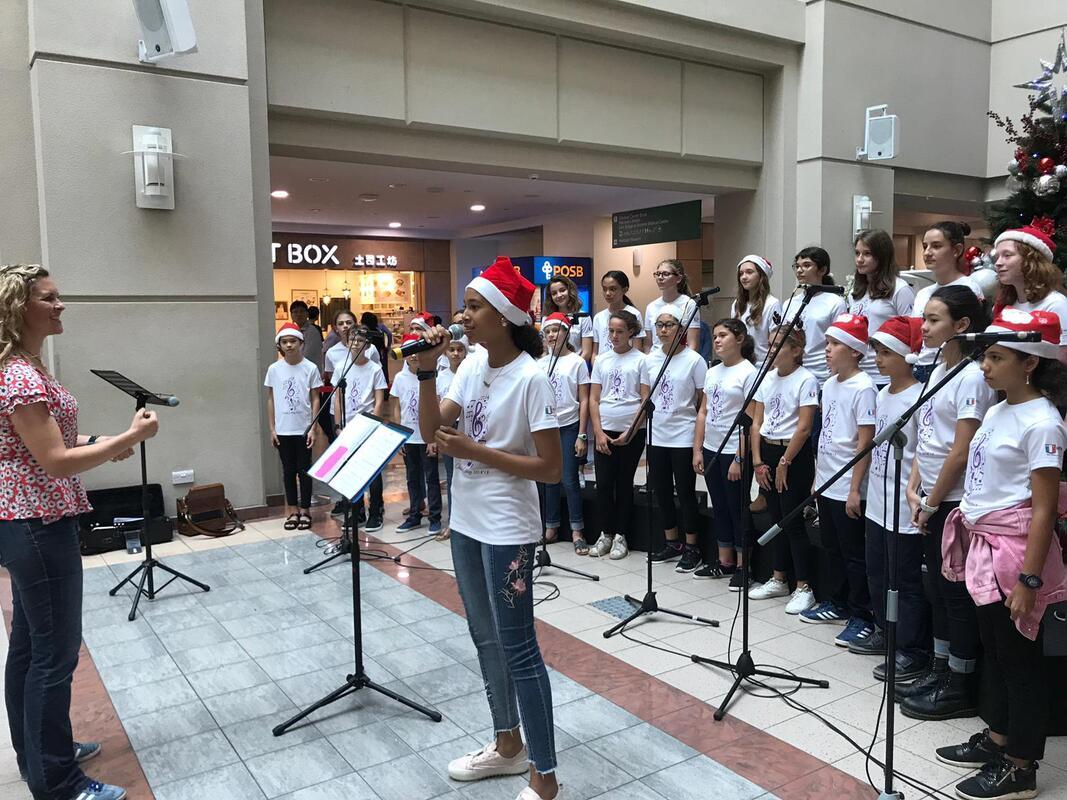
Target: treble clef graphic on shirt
point(477, 419)
point(976, 465)
point(615, 384)
point(289, 393)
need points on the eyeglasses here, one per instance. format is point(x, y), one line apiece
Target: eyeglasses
point(661, 325)
point(664, 274)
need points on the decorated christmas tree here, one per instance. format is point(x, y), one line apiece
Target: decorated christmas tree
point(1037, 180)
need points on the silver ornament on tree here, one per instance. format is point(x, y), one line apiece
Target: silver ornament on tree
point(1046, 185)
point(1013, 167)
point(1014, 183)
point(1060, 171)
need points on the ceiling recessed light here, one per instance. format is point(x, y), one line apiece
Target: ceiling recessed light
point(433, 216)
point(368, 198)
point(531, 195)
point(394, 224)
point(435, 189)
point(477, 207)
point(314, 210)
point(279, 194)
point(319, 179)
point(397, 185)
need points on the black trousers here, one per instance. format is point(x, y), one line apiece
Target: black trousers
point(953, 611)
point(1019, 707)
point(615, 483)
point(726, 501)
point(296, 461)
point(671, 468)
point(792, 543)
point(326, 417)
point(844, 542)
point(913, 612)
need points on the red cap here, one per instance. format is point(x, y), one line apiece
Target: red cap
point(410, 337)
point(1044, 322)
point(288, 329)
point(850, 330)
point(506, 290)
point(902, 335)
point(555, 319)
point(1038, 234)
point(424, 320)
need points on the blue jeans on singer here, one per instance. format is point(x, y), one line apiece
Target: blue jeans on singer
point(496, 586)
point(45, 565)
point(568, 437)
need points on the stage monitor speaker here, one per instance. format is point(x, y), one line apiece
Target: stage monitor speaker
point(166, 29)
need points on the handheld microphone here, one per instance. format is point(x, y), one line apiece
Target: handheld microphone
point(421, 346)
point(815, 288)
point(162, 400)
point(993, 338)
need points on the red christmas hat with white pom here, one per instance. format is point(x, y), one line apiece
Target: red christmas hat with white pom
point(1038, 234)
point(555, 319)
point(288, 329)
point(505, 290)
point(902, 335)
point(1044, 322)
point(423, 320)
point(850, 330)
point(410, 337)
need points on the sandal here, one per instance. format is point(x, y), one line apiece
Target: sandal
point(551, 539)
point(291, 522)
point(581, 546)
point(443, 535)
point(304, 522)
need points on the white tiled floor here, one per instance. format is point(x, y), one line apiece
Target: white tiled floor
point(852, 702)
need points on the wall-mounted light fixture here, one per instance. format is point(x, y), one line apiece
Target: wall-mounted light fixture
point(862, 208)
point(153, 167)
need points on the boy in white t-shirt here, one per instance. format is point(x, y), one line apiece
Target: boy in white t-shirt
point(292, 403)
point(420, 458)
point(897, 339)
point(848, 417)
point(361, 389)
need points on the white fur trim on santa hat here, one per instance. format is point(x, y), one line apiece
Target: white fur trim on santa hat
point(890, 341)
point(760, 262)
point(496, 298)
point(289, 329)
point(846, 339)
point(1026, 238)
point(671, 310)
point(1040, 349)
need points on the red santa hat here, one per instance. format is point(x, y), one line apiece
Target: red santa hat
point(505, 290)
point(765, 266)
point(555, 319)
point(410, 337)
point(423, 320)
point(1038, 234)
point(288, 329)
point(850, 330)
point(902, 335)
point(1044, 322)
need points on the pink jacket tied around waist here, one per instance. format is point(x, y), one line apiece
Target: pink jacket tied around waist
point(989, 557)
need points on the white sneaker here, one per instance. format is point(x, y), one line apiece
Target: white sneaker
point(802, 600)
point(487, 763)
point(619, 548)
point(772, 588)
point(601, 547)
point(529, 794)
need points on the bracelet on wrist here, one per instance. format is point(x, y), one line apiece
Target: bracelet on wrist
point(762, 467)
point(784, 463)
point(929, 509)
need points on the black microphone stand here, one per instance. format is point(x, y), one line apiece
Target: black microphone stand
point(893, 434)
point(541, 558)
point(146, 569)
point(344, 545)
point(744, 668)
point(648, 604)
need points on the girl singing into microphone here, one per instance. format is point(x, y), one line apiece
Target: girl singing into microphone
point(673, 290)
point(812, 268)
point(509, 439)
point(755, 305)
point(1001, 543)
point(947, 424)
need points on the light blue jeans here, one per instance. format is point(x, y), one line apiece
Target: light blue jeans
point(496, 585)
point(568, 437)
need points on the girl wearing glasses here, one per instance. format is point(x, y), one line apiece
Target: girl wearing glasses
point(673, 290)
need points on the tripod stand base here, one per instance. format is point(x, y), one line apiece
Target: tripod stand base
point(145, 570)
point(649, 605)
point(891, 796)
point(746, 668)
point(543, 560)
point(344, 548)
point(353, 683)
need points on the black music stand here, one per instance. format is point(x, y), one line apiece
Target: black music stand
point(146, 568)
point(365, 457)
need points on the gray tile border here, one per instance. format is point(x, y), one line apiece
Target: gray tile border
point(446, 683)
point(368, 745)
point(254, 737)
point(296, 767)
point(413, 660)
point(699, 778)
point(168, 724)
point(586, 773)
point(408, 778)
point(233, 782)
point(274, 642)
point(244, 704)
point(229, 678)
point(190, 638)
point(209, 657)
point(150, 697)
point(347, 787)
point(643, 749)
point(181, 758)
point(136, 673)
point(593, 717)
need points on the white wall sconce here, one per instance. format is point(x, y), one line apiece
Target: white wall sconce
point(153, 167)
point(862, 208)
point(637, 260)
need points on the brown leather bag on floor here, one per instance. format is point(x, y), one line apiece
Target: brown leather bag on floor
point(205, 511)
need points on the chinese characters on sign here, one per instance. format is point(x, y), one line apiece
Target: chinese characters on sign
point(374, 260)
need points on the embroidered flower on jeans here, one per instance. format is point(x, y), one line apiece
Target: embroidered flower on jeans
point(515, 578)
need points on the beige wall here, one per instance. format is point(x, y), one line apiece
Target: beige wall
point(170, 298)
point(605, 257)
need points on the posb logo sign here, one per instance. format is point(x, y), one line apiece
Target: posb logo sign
point(550, 270)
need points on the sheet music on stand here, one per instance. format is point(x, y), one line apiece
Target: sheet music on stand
point(359, 453)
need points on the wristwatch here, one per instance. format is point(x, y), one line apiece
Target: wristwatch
point(927, 508)
point(1031, 581)
point(738, 459)
point(583, 437)
point(426, 375)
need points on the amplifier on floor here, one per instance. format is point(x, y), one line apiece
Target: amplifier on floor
point(98, 530)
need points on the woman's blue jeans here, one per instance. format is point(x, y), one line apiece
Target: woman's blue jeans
point(568, 437)
point(496, 585)
point(45, 565)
